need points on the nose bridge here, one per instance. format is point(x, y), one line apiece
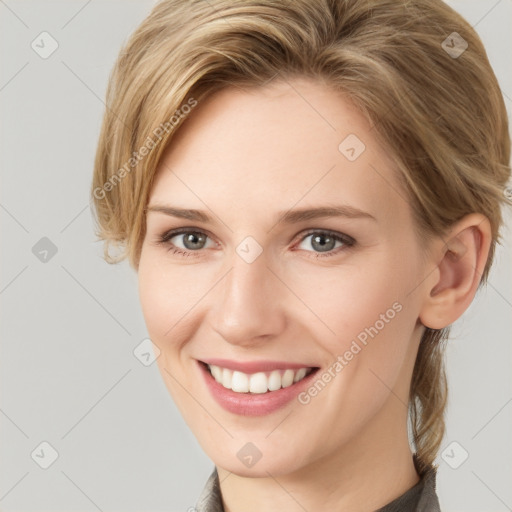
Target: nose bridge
point(247, 307)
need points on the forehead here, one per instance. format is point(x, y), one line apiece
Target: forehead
point(268, 148)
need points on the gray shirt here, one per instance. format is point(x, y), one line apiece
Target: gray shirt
point(421, 497)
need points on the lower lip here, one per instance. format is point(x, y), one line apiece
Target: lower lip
point(253, 404)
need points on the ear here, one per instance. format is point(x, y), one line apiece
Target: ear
point(461, 256)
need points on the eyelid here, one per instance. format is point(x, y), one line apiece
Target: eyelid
point(347, 240)
point(343, 236)
point(171, 233)
point(178, 231)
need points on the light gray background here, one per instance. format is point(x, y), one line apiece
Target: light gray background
point(69, 326)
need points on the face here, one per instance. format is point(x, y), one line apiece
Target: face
point(258, 288)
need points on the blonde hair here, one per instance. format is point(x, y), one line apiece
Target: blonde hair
point(442, 116)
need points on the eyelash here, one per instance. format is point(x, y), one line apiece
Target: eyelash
point(347, 241)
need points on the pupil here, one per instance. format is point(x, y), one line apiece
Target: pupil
point(193, 239)
point(326, 246)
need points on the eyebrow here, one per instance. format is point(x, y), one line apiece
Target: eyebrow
point(286, 217)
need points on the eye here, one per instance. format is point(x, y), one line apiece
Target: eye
point(325, 242)
point(187, 241)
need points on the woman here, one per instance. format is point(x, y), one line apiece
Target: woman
point(310, 193)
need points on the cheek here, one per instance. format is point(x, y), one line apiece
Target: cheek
point(154, 299)
point(350, 295)
point(161, 311)
point(167, 293)
point(373, 322)
point(365, 306)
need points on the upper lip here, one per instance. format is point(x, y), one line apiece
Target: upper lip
point(250, 367)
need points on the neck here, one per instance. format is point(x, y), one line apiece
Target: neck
point(365, 475)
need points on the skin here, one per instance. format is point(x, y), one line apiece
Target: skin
point(242, 156)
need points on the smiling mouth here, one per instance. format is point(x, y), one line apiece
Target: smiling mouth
point(259, 382)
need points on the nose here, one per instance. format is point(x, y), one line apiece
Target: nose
point(249, 305)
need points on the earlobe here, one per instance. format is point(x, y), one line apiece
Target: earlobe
point(461, 257)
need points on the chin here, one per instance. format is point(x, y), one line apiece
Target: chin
point(271, 461)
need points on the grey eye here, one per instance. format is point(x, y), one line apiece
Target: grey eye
point(322, 242)
point(191, 240)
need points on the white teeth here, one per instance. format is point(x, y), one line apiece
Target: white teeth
point(217, 372)
point(226, 378)
point(274, 381)
point(257, 382)
point(300, 375)
point(239, 382)
point(287, 378)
